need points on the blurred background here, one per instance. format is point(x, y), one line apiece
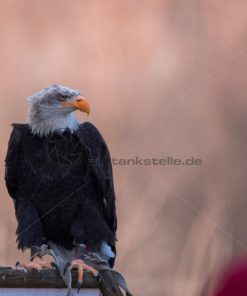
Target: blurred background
point(164, 78)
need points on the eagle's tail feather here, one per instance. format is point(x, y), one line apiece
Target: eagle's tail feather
point(110, 282)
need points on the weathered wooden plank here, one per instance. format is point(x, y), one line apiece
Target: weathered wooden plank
point(12, 278)
point(19, 279)
point(44, 292)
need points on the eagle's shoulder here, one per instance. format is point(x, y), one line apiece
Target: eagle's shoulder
point(90, 133)
point(88, 127)
point(19, 130)
point(20, 127)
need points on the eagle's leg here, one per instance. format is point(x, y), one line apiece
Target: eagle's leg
point(80, 266)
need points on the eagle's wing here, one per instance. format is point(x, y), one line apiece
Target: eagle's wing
point(29, 231)
point(11, 162)
point(98, 158)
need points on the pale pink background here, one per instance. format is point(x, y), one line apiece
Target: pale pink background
point(163, 78)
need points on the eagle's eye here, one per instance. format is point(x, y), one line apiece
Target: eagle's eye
point(62, 98)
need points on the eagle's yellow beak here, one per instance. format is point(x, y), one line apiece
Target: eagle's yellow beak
point(80, 104)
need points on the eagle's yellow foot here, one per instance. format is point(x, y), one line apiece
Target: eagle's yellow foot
point(80, 266)
point(37, 263)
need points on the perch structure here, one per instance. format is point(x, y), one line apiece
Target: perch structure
point(19, 282)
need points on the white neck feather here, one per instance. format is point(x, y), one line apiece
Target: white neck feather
point(47, 120)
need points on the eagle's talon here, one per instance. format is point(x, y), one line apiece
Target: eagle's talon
point(98, 278)
point(17, 264)
point(79, 285)
point(66, 267)
point(36, 264)
point(55, 266)
point(19, 267)
point(42, 274)
point(80, 266)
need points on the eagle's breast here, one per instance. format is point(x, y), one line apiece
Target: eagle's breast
point(63, 150)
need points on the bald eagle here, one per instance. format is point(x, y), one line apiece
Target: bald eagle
point(59, 175)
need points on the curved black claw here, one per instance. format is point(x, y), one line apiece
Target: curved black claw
point(55, 266)
point(99, 278)
point(42, 274)
point(18, 266)
point(79, 285)
point(66, 267)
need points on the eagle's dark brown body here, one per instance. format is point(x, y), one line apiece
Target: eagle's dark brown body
point(62, 187)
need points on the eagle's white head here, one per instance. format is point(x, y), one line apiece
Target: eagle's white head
point(51, 110)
